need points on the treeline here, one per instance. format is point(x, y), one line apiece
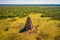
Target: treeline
point(22, 11)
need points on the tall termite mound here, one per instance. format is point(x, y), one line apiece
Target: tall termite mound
point(28, 25)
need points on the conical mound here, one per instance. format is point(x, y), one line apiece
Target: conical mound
point(28, 25)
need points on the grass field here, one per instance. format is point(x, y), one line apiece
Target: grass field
point(46, 21)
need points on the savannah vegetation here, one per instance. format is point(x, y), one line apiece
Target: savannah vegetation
point(45, 19)
point(22, 11)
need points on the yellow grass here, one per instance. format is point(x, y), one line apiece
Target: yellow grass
point(43, 26)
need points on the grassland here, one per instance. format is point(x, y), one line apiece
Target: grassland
point(46, 20)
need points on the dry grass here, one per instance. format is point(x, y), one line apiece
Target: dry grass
point(45, 28)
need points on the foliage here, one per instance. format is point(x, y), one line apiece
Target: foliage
point(22, 11)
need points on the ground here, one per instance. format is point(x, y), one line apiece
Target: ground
point(45, 28)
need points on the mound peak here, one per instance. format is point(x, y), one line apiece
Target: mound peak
point(28, 25)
